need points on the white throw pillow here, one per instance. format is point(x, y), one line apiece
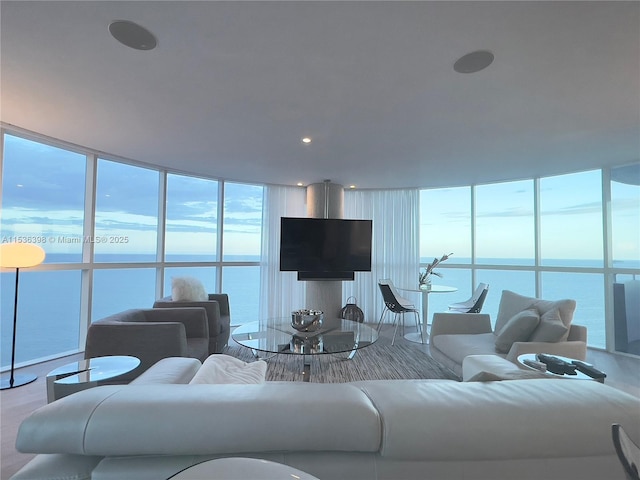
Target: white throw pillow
point(188, 289)
point(566, 309)
point(227, 369)
point(550, 329)
point(517, 329)
point(512, 303)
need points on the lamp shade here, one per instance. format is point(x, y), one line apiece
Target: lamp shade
point(20, 255)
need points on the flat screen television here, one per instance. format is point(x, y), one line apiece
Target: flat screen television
point(325, 248)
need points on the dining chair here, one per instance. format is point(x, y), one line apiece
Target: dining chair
point(396, 304)
point(474, 303)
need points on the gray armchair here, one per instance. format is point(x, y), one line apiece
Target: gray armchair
point(218, 317)
point(150, 335)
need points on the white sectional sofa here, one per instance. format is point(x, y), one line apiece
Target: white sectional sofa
point(523, 325)
point(385, 430)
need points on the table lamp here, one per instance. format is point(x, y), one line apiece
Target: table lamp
point(18, 255)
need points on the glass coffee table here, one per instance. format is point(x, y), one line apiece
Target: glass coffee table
point(526, 358)
point(240, 468)
point(277, 336)
point(83, 374)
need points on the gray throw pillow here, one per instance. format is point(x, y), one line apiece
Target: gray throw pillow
point(517, 329)
point(550, 329)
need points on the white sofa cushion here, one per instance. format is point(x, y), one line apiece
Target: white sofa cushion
point(464, 421)
point(205, 420)
point(512, 303)
point(518, 329)
point(228, 369)
point(457, 347)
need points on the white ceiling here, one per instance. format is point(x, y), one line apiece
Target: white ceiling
point(233, 86)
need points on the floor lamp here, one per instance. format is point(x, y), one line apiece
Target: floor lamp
point(18, 255)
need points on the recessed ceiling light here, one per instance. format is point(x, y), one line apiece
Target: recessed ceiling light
point(132, 35)
point(352, 186)
point(473, 62)
point(300, 184)
point(306, 140)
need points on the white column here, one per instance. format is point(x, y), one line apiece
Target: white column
point(325, 200)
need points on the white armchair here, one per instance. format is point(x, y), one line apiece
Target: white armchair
point(523, 325)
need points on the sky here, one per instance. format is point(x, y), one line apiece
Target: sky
point(43, 197)
point(571, 223)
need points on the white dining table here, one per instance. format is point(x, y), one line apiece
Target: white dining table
point(422, 336)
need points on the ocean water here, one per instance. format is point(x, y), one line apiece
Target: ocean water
point(49, 301)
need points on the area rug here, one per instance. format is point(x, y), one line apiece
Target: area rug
point(375, 362)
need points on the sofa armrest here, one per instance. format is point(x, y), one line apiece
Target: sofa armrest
point(213, 316)
point(571, 349)
point(194, 319)
point(149, 341)
point(223, 301)
point(457, 323)
point(577, 333)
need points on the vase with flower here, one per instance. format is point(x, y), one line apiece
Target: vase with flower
point(425, 277)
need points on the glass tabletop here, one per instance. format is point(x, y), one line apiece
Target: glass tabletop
point(94, 369)
point(434, 289)
point(276, 335)
point(533, 357)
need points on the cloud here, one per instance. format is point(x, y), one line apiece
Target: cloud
point(191, 226)
point(508, 213)
point(579, 209)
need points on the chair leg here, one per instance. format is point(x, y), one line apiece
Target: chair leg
point(420, 327)
point(382, 318)
point(395, 331)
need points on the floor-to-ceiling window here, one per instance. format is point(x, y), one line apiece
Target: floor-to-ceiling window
point(625, 257)
point(116, 233)
point(126, 234)
point(43, 203)
point(191, 230)
point(542, 238)
point(625, 216)
point(241, 240)
point(504, 223)
point(571, 238)
point(445, 227)
point(505, 238)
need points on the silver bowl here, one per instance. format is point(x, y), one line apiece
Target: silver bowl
point(307, 320)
